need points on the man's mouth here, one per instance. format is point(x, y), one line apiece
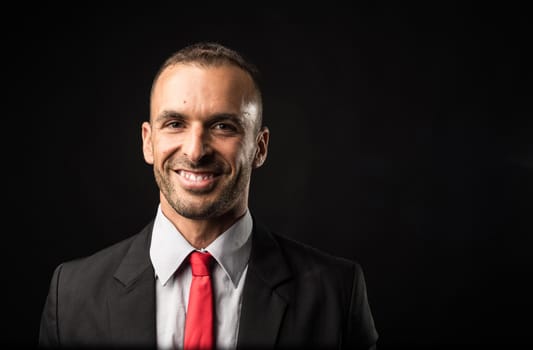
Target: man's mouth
point(197, 180)
point(195, 176)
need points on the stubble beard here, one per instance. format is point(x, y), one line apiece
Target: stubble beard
point(228, 197)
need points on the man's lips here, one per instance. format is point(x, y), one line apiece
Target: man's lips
point(196, 175)
point(197, 179)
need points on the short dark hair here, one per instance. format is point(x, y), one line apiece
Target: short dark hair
point(208, 53)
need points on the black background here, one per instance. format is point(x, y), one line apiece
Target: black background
point(400, 137)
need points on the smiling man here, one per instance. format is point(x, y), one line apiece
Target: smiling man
point(203, 140)
point(205, 273)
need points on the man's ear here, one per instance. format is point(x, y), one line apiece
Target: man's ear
point(148, 151)
point(262, 147)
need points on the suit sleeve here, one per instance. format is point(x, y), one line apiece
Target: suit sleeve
point(49, 330)
point(361, 332)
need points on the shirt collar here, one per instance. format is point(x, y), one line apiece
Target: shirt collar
point(169, 248)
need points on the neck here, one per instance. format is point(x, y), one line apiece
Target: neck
point(201, 232)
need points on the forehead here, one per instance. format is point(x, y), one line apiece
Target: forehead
point(192, 83)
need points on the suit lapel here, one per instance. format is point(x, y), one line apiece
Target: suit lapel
point(265, 297)
point(132, 303)
point(265, 294)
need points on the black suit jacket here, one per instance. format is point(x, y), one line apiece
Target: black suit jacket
point(294, 297)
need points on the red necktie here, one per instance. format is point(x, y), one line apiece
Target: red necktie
point(199, 319)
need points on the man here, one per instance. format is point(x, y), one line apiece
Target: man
point(204, 138)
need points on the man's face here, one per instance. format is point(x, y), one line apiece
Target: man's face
point(203, 139)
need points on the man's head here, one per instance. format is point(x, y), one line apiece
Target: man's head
point(210, 54)
point(205, 134)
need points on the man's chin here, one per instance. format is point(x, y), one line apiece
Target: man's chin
point(197, 213)
point(196, 206)
point(198, 191)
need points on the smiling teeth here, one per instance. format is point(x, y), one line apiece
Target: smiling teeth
point(195, 177)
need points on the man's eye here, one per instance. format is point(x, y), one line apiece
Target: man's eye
point(224, 127)
point(175, 125)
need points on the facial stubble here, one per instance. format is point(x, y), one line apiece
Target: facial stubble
point(226, 199)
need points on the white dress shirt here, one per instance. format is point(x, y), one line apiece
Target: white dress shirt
point(168, 251)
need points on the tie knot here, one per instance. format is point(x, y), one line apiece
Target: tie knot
point(200, 263)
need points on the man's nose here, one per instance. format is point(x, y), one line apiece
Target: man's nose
point(195, 145)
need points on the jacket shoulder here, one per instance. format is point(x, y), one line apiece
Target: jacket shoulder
point(102, 258)
point(299, 254)
point(96, 268)
point(326, 286)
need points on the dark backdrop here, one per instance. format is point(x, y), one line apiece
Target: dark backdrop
point(400, 137)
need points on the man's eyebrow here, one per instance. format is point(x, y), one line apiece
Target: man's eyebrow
point(217, 117)
point(225, 116)
point(166, 115)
